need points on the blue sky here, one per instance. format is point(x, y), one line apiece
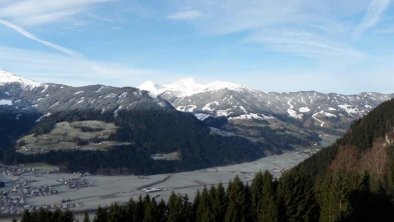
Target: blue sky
point(344, 46)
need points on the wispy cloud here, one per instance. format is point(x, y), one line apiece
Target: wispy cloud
point(314, 29)
point(38, 12)
point(31, 36)
point(185, 15)
point(304, 43)
point(372, 16)
point(54, 67)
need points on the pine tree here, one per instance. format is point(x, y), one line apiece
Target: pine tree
point(26, 217)
point(334, 194)
point(101, 215)
point(196, 205)
point(131, 210)
point(150, 210)
point(162, 211)
point(179, 208)
point(203, 209)
point(139, 210)
point(268, 208)
point(57, 215)
point(246, 207)
point(68, 217)
point(218, 198)
point(297, 198)
point(115, 213)
point(255, 189)
point(86, 217)
point(236, 199)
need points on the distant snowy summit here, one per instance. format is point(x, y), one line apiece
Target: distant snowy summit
point(8, 78)
point(308, 109)
point(188, 87)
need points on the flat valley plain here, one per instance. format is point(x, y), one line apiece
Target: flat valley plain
point(105, 190)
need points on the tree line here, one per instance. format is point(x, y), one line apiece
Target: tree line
point(291, 198)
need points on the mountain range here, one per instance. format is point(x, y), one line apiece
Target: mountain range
point(307, 112)
point(181, 126)
point(86, 128)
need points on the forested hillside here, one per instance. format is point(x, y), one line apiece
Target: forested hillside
point(145, 133)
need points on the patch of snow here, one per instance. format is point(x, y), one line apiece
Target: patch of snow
point(79, 92)
point(116, 112)
point(81, 100)
point(100, 89)
point(349, 109)
point(223, 112)
point(318, 120)
point(123, 95)
point(201, 116)
point(181, 108)
point(243, 109)
point(55, 104)
point(111, 95)
point(191, 108)
point(331, 109)
point(45, 88)
point(304, 110)
point(5, 102)
point(43, 116)
point(207, 107)
point(247, 116)
point(329, 115)
point(162, 104)
point(292, 112)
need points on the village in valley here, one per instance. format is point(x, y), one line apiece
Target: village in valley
point(30, 187)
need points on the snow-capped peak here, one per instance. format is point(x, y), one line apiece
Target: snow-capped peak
point(188, 87)
point(6, 78)
point(151, 87)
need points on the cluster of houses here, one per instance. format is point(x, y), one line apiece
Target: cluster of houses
point(18, 189)
point(75, 183)
point(13, 201)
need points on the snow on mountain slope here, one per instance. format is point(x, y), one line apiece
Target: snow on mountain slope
point(25, 95)
point(307, 109)
point(187, 87)
point(151, 87)
point(7, 78)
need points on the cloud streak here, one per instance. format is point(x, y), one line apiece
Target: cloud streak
point(38, 12)
point(372, 16)
point(314, 29)
point(185, 15)
point(31, 36)
point(304, 43)
point(59, 68)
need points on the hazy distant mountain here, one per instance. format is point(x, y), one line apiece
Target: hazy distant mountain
point(328, 114)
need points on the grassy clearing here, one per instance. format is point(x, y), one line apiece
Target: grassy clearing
point(79, 135)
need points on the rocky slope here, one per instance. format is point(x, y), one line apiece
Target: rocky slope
point(326, 114)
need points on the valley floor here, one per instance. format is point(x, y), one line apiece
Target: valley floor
point(87, 192)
